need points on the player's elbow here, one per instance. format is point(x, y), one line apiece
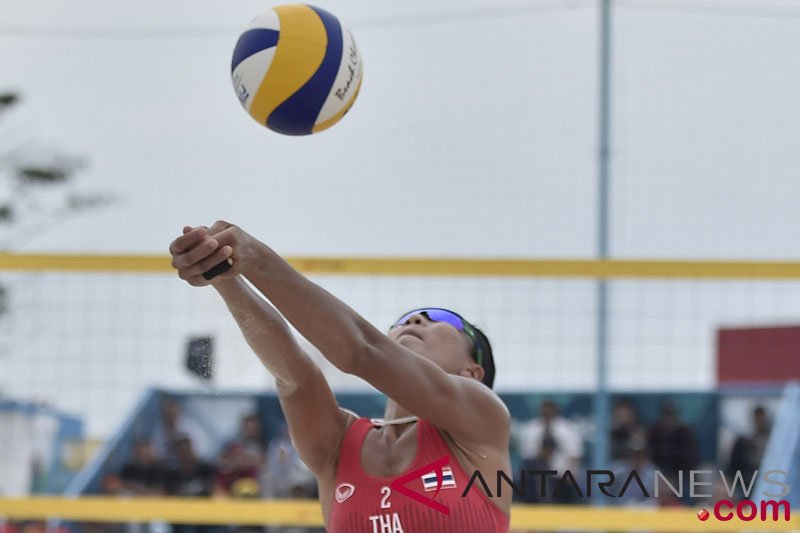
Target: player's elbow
point(357, 357)
point(286, 387)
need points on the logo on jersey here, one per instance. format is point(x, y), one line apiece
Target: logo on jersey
point(430, 481)
point(344, 491)
point(434, 471)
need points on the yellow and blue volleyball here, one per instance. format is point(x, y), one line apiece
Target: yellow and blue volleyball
point(296, 70)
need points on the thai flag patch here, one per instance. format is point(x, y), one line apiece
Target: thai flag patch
point(431, 480)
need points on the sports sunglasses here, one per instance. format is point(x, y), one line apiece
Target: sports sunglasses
point(437, 314)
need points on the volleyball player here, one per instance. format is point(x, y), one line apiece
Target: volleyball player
point(442, 420)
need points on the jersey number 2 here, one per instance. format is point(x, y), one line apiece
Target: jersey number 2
point(386, 492)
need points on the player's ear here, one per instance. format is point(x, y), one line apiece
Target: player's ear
point(474, 371)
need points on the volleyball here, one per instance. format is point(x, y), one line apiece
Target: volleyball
point(296, 69)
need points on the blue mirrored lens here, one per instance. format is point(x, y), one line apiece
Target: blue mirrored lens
point(442, 315)
point(435, 315)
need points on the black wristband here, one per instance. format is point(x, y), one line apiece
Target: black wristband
point(218, 269)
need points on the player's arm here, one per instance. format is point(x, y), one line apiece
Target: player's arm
point(352, 344)
point(316, 423)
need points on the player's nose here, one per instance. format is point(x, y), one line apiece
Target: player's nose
point(417, 319)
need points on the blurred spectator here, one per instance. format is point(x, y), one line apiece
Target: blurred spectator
point(284, 471)
point(286, 476)
point(719, 490)
point(143, 475)
point(666, 497)
point(191, 477)
point(625, 429)
point(636, 459)
point(171, 427)
point(542, 462)
point(748, 450)
point(672, 444)
point(569, 444)
point(241, 461)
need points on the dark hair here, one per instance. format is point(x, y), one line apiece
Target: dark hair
point(488, 358)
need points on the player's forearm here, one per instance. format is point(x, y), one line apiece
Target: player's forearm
point(266, 332)
point(340, 333)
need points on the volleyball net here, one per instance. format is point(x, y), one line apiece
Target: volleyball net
point(90, 333)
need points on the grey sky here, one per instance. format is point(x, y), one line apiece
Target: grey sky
point(487, 123)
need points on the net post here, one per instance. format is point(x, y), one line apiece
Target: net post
point(601, 401)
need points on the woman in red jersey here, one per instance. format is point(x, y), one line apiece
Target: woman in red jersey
point(408, 473)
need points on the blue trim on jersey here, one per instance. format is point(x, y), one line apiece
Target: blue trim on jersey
point(252, 42)
point(297, 115)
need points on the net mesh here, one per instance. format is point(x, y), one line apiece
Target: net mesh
point(92, 343)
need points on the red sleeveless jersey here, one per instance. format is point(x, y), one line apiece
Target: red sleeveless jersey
point(409, 502)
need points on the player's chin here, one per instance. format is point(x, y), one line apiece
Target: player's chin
point(409, 341)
